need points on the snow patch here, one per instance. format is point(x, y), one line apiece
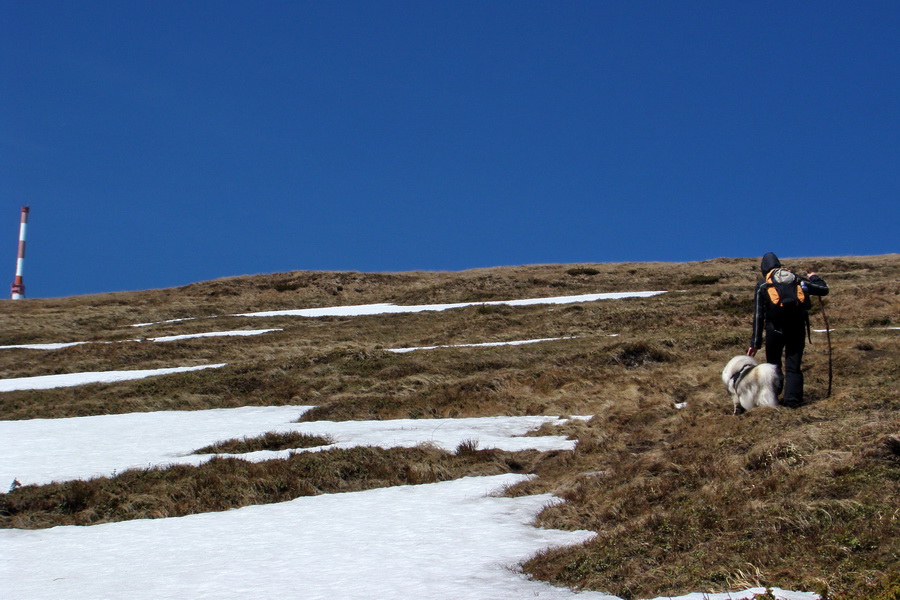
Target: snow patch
point(482, 345)
point(46, 382)
point(383, 309)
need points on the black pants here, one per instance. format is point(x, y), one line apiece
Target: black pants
point(790, 340)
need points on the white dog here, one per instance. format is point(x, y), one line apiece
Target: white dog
point(751, 384)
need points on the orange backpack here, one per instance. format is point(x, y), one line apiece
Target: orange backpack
point(784, 289)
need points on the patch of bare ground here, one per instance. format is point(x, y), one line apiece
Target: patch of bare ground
point(682, 499)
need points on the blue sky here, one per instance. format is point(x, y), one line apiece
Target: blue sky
point(160, 143)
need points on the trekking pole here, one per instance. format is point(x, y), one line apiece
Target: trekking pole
point(828, 339)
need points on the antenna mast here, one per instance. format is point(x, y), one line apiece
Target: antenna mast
point(18, 287)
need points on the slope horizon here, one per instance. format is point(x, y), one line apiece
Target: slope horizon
point(662, 472)
point(800, 259)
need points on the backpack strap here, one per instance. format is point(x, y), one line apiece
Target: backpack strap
point(771, 289)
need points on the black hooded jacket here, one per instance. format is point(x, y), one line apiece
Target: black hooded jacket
point(763, 307)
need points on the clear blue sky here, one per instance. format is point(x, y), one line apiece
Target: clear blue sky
point(160, 143)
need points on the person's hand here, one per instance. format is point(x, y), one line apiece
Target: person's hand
point(751, 352)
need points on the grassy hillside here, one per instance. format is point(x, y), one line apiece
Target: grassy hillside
point(683, 499)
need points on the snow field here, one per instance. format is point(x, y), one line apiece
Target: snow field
point(40, 451)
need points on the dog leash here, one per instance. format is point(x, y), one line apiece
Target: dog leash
point(737, 377)
point(827, 337)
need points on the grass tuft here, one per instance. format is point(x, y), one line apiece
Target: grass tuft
point(268, 441)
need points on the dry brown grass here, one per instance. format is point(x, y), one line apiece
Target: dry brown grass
point(682, 500)
point(271, 440)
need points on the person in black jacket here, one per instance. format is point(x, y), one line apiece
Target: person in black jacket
point(785, 329)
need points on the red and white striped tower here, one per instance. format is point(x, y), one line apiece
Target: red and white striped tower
point(18, 288)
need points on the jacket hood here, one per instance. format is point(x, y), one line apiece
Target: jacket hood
point(769, 262)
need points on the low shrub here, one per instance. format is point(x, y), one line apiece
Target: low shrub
point(638, 354)
point(701, 280)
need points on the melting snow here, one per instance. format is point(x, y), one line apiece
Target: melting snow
point(46, 382)
point(43, 346)
point(483, 345)
point(191, 336)
point(454, 539)
point(166, 338)
point(382, 309)
point(45, 450)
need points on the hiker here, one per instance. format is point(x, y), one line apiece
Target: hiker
point(781, 307)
